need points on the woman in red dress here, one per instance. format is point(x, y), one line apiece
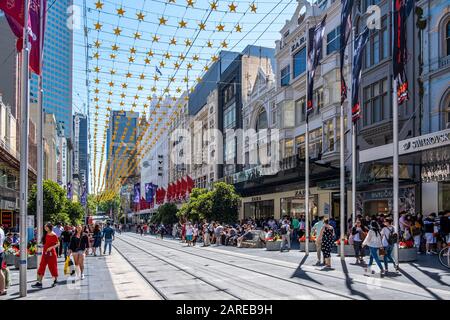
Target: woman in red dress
point(49, 256)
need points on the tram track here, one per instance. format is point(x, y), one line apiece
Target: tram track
point(342, 295)
point(159, 291)
point(399, 291)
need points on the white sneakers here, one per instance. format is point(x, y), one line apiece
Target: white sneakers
point(82, 276)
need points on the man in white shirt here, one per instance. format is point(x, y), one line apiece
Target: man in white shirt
point(58, 229)
point(2, 255)
point(316, 229)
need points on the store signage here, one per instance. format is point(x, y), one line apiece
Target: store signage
point(378, 195)
point(256, 198)
point(64, 162)
point(76, 145)
point(297, 43)
point(300, 193)
point(441, 138)
point(7, 219)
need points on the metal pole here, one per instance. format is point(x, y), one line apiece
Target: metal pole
point(307, 154)
point(342, 180)
point(395, 163)
point(40, 162)
point(24, 108)
point(353, 173)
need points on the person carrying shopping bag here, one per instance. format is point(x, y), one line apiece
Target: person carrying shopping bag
point(49, 256)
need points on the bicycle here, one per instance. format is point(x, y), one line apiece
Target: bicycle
point(444, 256)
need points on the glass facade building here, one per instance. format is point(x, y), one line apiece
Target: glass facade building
point(57, 68)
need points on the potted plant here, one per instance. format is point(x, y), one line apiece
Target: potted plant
point(10, 254)
point(31, 256)
point(406, 251)
point(312, 243)
point(348, 248)
point(273, 243)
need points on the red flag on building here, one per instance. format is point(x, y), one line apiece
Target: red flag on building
point(183, 188)
point(36, 38)
point(14, 13)
point(169, 192)
point(190, 184)
point(163, 194)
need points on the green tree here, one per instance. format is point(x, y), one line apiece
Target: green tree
point(54, 202)
point(75, 212)
point(92, 204)
point(224, 203)
point(166, 213)
point(196, 207)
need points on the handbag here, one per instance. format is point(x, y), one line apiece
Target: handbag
point(350, 239)
point(66, 266)
point(381, 252)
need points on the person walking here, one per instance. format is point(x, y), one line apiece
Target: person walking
point(79, 244)
point(206, 241)
point(65, 240)
point(358, 234)
point(108, 234)
point(49, 256)
point(97, 240)
point(416, 231)
point(295, 227)
point(388, 241)
point(285, 231)
point(189, 234)
point(195, 234)
point(2, 256)
point(316, 230)
point(373, 241)
point(428, 224)
point(218, 234)
point(326, 239)
point(58, 229)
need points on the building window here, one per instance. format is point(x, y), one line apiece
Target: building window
point(333, 40)
point(376, 106)
point(261, 122)
point(315, 144)
point(299, 62)
point(285, 76)
point(318, 100)
point(288, 148)
point(378, 45)
point(229, 117)
point(300, 111)
point(228, 93)
point(328, 135)
point(288, 114)
point(447, 38)
point(368, 3)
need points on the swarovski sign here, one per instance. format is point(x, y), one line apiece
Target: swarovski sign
point(427, 141)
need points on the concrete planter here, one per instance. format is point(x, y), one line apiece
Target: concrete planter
point(311, 246)
point(348, 250)
point(10, 259)
point(273, 245)
point(31, 262)
point(407, 254)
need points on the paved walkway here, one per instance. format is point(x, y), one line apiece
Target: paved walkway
point(106, 278)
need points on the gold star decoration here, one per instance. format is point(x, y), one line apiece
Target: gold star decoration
point(162, 64)
point(153, 89)
point(132, 50)
point(140, 16)
point(147, 61)
point(162, 21)
point(206, 67)
point(112, 72)
point(190, 3)
point(166, 90)
point(214, 58)
point(182, 24)
point(173, 41)
point(99, 5)
point(209, 44)
point(131, 59)
point(172, 79)
point(187, 42)
point(120, 11)
point(128, 75)
point(137, 35)
point(155, 38)
point(232, 7)
point(96, 55)
point(96, 91)
point(189, 66)
point(111, 84)
point(142, 76)
point(202, 26)
point(167, 55)
point(112, 56)
point(114, 47)
point(253, 7)
point(98, 26)
point(195, 57)
point(185, 79)
point(176, 65)
point(97, 44)
point(214, 5)
point(238, 28)
point(181, 57)
point(220, 27)
point(123, 95)
point(224, 44)
point(117, 31)
point(178, 90)
point(199, 79)
point(150, 53)
point(96, 99)
point(155, 77)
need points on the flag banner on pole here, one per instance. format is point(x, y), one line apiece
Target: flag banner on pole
point(190, 184)
point(402, 9)
point(169, 192)
point(14, 13)
point(35, 37)
point(360, 42)
point(149, 192)
point(314, 56)
point(83, 199)
point(183, 188)
point(163, 194)
point(137, 193)
point(69, 191)
point(345, 32)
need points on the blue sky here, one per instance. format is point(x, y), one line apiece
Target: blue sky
point(260, 28)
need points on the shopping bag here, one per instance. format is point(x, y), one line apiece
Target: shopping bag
point(66, 266)
point(71, 266)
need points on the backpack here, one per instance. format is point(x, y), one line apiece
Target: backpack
point(283, 230)
point(393, 237)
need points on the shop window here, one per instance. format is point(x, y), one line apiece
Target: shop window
point(328, 135)
point(444, 196)
point(288, 148)
point(259, 209)
point(288, 114)
point(296, 206)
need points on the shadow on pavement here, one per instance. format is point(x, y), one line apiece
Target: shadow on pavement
point(301, 274)
point(349, 283)
point(417, 283)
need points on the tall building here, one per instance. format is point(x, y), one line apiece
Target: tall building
point(57, 68)
point(80, 149)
